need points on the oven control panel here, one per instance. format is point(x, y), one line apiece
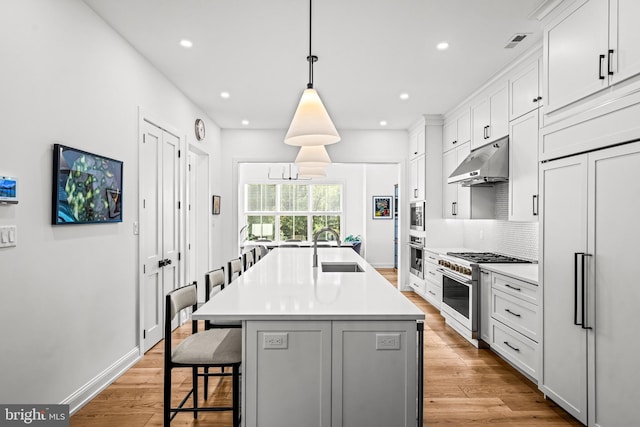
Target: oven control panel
point(455, 267)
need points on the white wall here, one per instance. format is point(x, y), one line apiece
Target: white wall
point(377, 148)
point(69, 304)
point(378, 239)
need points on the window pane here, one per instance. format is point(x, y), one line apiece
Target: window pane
point(261, 227)
point(293, 197)
point(261, 197)
point(322, 221)
point(326, 198)
point(293, 227)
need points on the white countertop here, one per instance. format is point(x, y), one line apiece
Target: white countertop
point(526, 272)
point(285, 286)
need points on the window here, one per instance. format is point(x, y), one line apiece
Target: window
point(292, 211)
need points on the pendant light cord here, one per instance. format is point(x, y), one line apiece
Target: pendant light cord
point(311, 58)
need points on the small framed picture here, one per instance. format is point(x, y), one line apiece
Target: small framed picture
point(216, 205)
point(382, 207)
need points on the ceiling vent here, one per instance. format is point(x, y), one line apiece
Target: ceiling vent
point(515, 40)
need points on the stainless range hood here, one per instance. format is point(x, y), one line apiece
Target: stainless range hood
point(485, 165)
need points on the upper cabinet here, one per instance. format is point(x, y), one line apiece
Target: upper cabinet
point(457, 130)
point(455, 197)
point(490, 116)
point(589, 46)
point(417, 142)
point(525, 88)
point(523, 168)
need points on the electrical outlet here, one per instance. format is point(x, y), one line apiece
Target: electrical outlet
point(387, 341)
point(277, 340)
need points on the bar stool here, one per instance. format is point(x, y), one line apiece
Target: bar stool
point(234, 270)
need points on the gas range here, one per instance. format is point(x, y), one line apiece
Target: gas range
point(460, 262)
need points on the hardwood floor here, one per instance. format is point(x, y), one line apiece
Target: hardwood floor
point(462, 386)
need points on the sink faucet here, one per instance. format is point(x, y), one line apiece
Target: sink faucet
point(315, 243)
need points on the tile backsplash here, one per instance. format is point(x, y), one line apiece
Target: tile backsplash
point(519, 239)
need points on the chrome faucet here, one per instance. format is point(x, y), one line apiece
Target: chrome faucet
point(315, 243)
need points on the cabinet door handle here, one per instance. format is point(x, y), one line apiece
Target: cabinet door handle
point(453, 208)
point(512, 287)
point(432, 273)
point(610, 63)
point(432, 293)
point(512, 313)
point(415, 193)
point(600, 67)
point(454, 142)
point(575, 288)
point(511, 347)
point(584, 294)
point(535, 205)
point(535, 99)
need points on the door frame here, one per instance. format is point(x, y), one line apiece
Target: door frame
point(151, 118)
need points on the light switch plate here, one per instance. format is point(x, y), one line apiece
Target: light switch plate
point(8, 236)
point(387, 341)
point(277, 340)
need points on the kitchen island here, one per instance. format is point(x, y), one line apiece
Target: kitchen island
point(323, 348)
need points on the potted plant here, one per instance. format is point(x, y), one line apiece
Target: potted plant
point(356, 241)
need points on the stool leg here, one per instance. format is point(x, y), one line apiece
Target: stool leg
point(167, 396)
point(236, 395)
point(206, 383)
point(194, 380)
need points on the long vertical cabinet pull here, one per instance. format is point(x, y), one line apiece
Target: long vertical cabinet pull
point(610, 63)
point(584, 293)
point(535, 205)
point(575, 288)
point(600, 61)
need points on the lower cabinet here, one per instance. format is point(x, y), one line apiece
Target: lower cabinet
point(514, 322)
point(330, 373)
point(485, 305)
point(433, 281)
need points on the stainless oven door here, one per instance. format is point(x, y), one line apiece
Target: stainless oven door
point(457, 298)
point(416, 260)
point(417, 216)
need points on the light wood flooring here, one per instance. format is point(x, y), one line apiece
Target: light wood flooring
point(462, 386)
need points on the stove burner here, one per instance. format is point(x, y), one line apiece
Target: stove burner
point(487, 257)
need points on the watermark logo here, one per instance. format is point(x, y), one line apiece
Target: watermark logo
point(34, 415)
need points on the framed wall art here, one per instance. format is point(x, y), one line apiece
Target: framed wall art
point(382, 207)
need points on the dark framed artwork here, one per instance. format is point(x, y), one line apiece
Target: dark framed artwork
point(216, 205)
point(382, 207)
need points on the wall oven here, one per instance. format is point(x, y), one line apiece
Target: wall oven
point(416, 256)
point(417, 216)
point(459, 299)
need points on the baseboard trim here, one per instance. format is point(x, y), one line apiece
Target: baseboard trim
point(84, 394)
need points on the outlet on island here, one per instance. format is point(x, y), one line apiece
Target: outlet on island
point(278, 340)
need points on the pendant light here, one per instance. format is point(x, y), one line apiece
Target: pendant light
point(312, 156)
point(312, 172)
point(311, 124)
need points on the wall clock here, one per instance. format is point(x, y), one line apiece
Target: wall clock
point(199, 128)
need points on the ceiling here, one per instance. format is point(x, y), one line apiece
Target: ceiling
point(370, 51)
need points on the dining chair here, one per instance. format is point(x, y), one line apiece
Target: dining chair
point(248, 260)
point(219, 348)
point(234, 269)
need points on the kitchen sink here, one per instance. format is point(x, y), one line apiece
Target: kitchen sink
point(341, 267)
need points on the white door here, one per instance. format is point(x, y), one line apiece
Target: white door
point(159, 226)
point(613, 345)
point(523, 168)
point(564, 233)
point(624, 34)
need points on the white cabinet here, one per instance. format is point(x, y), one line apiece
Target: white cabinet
point(417, 141)
point(328, 371)
point(485, 306)
point(457, 130)
point(433, 279)
point(417, 284)
point(455, 198)
point(372, 362)
point(590, 45)
point(490, 117)
point(524, 90)
point(589, 234)
point(523, 168)
point(417, 178)
point(514, 322)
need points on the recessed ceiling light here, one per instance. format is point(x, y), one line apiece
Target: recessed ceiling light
point(224, 95)
point(404, 96)
point(245, 122)
point(442, 46)
point(186, 43)
point(383, 122)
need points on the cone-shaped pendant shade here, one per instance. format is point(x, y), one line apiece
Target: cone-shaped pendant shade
point(311, 124)
point(313, 156)
point(309, 172)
